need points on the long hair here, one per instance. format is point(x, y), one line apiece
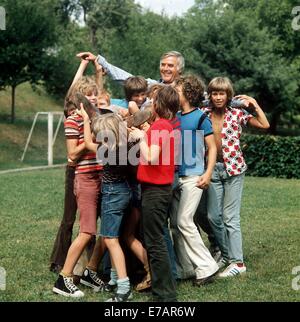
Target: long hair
point(110, 130)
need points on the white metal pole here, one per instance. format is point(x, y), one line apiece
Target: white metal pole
point(50, 138)
point(29, 136)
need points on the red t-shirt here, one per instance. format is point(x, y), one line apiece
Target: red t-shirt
point(162, 172)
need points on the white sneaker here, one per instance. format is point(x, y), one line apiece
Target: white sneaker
point(233, 270)
point(222, 263)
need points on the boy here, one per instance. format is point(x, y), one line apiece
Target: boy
point(225, 190)
point(196, 132)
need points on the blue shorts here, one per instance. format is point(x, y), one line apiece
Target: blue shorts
point(115, 200)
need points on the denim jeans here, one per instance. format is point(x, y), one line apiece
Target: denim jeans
point(115, 200)
point(224, 204)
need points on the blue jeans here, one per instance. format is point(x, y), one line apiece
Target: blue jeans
point(115, 200)
point(223, 207)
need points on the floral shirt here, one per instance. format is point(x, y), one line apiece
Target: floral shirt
point(234, 119)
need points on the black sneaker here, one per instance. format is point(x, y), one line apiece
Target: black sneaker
point(91, 279)
point(121, 297)
point(206, 280)
point(110, 287)
point(65, 286)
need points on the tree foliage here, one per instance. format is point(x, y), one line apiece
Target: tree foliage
point(30, 31)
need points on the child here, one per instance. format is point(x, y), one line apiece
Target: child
point(116, 193)
point(156, 174)
point(196, 132)
point(87, 188)
point(225, 190)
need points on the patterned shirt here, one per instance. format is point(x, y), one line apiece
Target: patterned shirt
point(74, 130)
point(233, 158)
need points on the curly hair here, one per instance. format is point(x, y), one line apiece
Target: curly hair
point(193, 88)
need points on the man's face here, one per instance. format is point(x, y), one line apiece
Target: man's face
point(219, 99)
point(169, 69)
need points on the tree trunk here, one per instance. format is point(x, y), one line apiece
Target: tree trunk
point(274, 122)
point(13, 92)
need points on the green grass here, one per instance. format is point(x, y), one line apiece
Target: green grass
point(13, 136)
point(28, 102)
point(31, 206)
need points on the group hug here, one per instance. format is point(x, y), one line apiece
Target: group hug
point(153, 171)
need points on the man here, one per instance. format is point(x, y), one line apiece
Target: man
point(171, 67)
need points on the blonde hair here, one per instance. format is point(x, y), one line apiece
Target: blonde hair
point(86, 85)
point(109, 129)
point(221, 84)
point(105, 95)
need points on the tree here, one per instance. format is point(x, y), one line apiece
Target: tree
point(226, 40)
point(30, 31)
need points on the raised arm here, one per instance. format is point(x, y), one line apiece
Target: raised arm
point(114, 72)
point(99, 75)
point(260, 120)
point(79, 73)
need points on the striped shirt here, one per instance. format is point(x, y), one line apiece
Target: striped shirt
point(74, 130)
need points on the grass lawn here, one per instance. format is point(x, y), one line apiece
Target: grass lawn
point(31, 206)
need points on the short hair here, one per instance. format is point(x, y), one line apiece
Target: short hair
point(153, 89)
point(69, 107)
point(134, 85)
point(193, 88)
point(86, 85)
point(180, 59)
point(104, 94)
point(166, 102)
point(221, 84)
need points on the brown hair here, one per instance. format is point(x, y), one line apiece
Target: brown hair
point(221, 84)
point(104, 94)
point(166, 102)
point(192, 88)
point(134, 85)
point(153, 89)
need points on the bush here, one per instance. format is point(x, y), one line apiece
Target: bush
point(272, 156)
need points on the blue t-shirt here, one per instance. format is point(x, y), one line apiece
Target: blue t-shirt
point(119, 102)
point(194, 127)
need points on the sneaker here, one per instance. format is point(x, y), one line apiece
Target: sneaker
point(110, 287)
point(233, 270)
point(121, 297)
point(206, 280)
point(65, 286)
point(91, 279)
point(222, 263)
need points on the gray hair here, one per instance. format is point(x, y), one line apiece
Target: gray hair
point(178, 55)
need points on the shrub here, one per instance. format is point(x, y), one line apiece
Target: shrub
point(272, 156)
